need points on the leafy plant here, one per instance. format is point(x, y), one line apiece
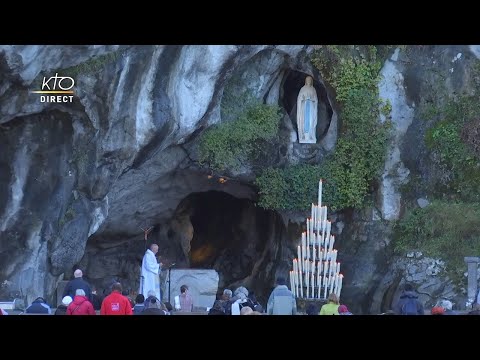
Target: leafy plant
point(445, 230)
point(454, 155)
point(230, 144)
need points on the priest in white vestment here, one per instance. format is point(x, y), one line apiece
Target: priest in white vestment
point(150, 272)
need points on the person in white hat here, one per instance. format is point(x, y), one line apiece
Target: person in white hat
point(62, 308)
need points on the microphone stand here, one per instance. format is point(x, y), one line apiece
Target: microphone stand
point(169, 268)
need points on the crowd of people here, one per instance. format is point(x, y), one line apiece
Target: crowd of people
point(79, 298)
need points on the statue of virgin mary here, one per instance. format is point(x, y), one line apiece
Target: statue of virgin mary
point(307, 103)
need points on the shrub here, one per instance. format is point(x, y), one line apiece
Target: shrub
point(445, 230)
point(230, 144)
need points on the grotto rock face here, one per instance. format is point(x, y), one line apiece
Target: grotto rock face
point(81, 181)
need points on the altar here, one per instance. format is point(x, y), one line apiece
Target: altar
point(202, 285)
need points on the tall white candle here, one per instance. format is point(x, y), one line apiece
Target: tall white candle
point(332, 241)
point(332, 283)
point(297, 284)
point(320, 192)
point(337, 278)
point(301, 285)
point(291, 282)
point(338, 268)
point(327, 232)
point(334, 255)
point(312, 283)
point(324, 229)
point(307, 284)
point(314, 256)
point(333, 267)
point(311, 211)
point(304, 254)
point(299, 254)
point(326, 248)
point(308, 232)
point(340, 282)
point(325, 270)
point(319, 285)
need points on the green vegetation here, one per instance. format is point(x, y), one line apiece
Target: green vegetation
point(445, 230)
point(453, 155)
point(360, 152)
point(230, 144)
point(290, 188)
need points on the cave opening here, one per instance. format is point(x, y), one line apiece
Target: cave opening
point(215, 230)
point(292, 83)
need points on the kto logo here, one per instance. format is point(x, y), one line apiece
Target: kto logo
point(58, 87)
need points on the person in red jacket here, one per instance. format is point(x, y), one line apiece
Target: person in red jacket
point(80, 305)
point(116, 303)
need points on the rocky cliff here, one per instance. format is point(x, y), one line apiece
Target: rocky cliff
point(80, 180)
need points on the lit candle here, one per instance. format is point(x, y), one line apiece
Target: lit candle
point(301, 285)
point(306, 284)
point(340, 282)
point(332, 282)
point(297, 284)
point(305, 274)
point(313, 285)
point(320, 192)
point(308, 232)
point(314, 256)
point(325, 270)
point(319, 285)
point(334, 255)
point(326, 248)
point(312, 211)
point(326, 287)
point(299, 254)
point(324, 229)
point(336, 284)
point(291, 283)
point(333, 267)
point(320, 216)
point(304, 254)
point(327, 232)
point(332, 241)
point(338, 268)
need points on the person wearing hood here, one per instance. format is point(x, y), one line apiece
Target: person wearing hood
point(80, 305)
point(408, 304)
point(343, 310)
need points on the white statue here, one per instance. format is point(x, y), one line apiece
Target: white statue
point(307, 103)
